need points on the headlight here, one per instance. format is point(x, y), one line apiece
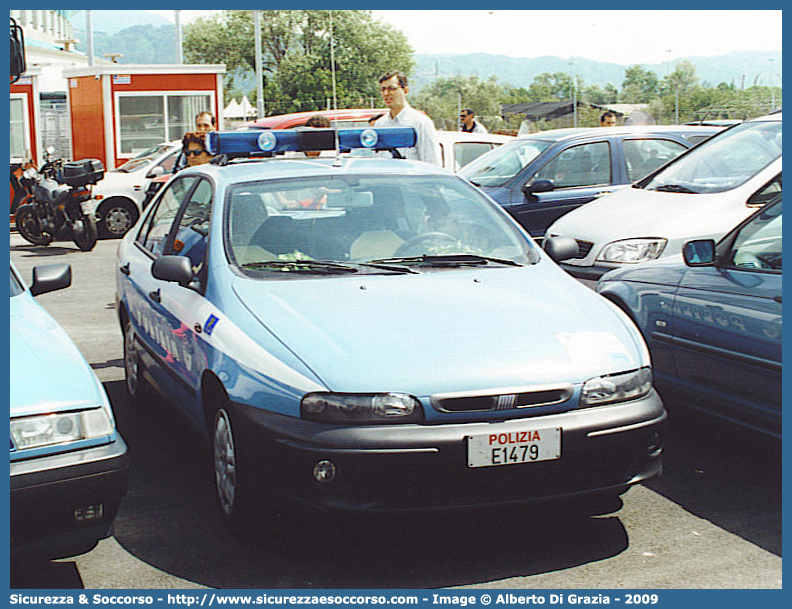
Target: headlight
point(361, 407)
point(616, 387)
point(631, 251)
point(60, 428)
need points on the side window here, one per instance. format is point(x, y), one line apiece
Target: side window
point(155, 231)
point(583, 165)
point(767, 194)
point(193, 226)
point(644, 156)
point(465, 152)
point(169, 161)
point(758, 244)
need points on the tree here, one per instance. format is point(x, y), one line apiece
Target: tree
point(640, 86)
point(443, 99)
point(551, 87)
point(600, 95)
point(296, 53)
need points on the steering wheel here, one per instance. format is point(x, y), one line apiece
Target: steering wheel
point(435, 237)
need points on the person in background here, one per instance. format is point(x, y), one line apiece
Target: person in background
point(469, 122)
point(194, 149)
point(317, 121)
point(608, 119)
point(394, 89)
point(205, 121)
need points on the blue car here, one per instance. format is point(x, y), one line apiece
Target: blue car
point(540, 177)
point(713, 321)
point(68, 461)
point(375, 334)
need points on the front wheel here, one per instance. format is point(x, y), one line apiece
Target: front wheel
point(29, 226)
point(84, 233)
point(133, 370)
point(245, 507)
point(117, 217)
point(228, 492)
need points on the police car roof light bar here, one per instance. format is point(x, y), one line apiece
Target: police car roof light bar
point(242, 143)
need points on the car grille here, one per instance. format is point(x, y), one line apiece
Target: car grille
point(502, 399)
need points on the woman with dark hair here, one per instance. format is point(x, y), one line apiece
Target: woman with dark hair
point(194, 149)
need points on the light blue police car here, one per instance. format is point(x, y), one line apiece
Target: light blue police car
point(372, 333)
point(68, 461)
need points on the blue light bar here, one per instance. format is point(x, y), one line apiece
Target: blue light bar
point(380, 138)
point(243, 143)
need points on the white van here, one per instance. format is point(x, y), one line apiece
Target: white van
point(701, 194)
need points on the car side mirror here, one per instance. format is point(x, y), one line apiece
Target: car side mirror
point(532, 188)
point(561, 248)
point(174, 268)
point(156, 172)
point(50, 277)
point(700, 252)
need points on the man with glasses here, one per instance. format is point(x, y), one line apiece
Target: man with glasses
point(394, 89)
point(469, 122)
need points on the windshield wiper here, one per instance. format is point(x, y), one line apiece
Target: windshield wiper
point(322, 266)
point(449, 260)
point(302, 266)
point(676, 188)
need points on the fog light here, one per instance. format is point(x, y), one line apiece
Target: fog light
point(655, 443)
point(324, 471)
point(90, 512)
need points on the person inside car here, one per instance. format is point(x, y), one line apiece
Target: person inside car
point(194, 149)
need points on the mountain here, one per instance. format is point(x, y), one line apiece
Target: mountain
point(144, 37)
point(112, 22)
point(734, 67)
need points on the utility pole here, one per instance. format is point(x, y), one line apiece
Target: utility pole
point(177, 20)
point(89, 35)
point(259, 71)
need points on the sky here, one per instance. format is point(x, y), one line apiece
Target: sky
point(625, 37)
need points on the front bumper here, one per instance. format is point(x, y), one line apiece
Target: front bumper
point(587, 272)
point(63, 504)
point(605, 449)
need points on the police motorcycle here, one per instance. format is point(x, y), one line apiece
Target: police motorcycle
point(57, 205)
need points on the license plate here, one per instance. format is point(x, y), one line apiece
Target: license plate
point(512, 447)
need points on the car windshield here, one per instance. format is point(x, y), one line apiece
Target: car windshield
point(368, 223)
point(724, 162)
point(498, 166)
point(16, 286)
point(142, 159)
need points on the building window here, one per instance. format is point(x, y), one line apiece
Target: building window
point(148, 119)
point(19, 134)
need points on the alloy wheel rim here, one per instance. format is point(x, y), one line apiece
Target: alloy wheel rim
point(130, 362)
point(118, 220)
point(224, 462)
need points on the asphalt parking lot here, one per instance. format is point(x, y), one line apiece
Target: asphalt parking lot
point(713, 520)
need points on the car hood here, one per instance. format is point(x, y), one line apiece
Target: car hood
point(635, 212)
point(452, 330)
point(48, 373)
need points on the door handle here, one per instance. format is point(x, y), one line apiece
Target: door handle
point(124, 268)
point(155, 296)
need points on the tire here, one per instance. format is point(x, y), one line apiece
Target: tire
point(244, 506)
point(228, 484)
point(29, 227)
point(84, 233)
point(117, 217)
point(136, 385)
